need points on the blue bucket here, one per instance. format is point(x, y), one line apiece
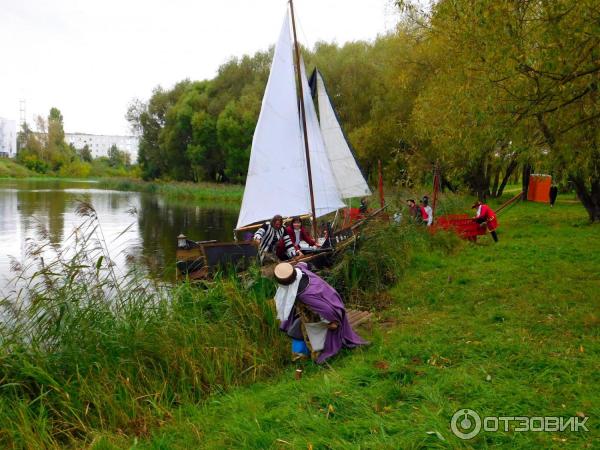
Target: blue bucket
point(299, 346)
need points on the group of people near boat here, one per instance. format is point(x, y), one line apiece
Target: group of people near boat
point(277, 242)
point(311, 312)
point(423, 214)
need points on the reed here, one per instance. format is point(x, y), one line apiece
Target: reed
point(83, 349)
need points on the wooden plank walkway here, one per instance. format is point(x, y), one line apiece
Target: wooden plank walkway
point(357, 318)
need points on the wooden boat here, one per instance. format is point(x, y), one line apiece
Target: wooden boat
point(300, 164)
point(201, 260)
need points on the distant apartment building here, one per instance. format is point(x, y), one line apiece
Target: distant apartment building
point(100, 144)
point(8, 138)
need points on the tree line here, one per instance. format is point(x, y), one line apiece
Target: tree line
point(45, 151)
point(484, 90)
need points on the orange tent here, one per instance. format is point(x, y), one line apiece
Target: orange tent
point(539, 188)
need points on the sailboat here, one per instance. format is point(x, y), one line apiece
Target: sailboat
point(300, 164)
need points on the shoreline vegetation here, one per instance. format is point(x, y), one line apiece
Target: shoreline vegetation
point(12, 169)
point(82, 351)
point(91, 361)
point(217, 192)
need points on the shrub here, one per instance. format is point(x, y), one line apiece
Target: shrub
point(33, 163)
point(382, 253)
point(75, 169)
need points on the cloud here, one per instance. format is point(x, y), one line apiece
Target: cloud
point(90, 58)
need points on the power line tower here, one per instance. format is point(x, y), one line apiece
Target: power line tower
point(22, 112)
point(23, 125)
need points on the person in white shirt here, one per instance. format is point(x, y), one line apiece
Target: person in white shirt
point(426, 212)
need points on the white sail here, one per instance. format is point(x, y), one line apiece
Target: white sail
point(327, 196)
point(277, 181)
point(348, 177)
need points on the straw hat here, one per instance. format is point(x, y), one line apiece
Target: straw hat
point(285, 273)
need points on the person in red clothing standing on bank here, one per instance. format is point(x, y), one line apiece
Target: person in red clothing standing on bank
point(486, 217)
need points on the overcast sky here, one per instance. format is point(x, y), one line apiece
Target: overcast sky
point(89, 58)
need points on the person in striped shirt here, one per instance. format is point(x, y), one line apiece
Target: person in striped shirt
point(268, 237)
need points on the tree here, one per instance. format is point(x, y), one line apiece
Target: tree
point(118, 158)
point(235, 128)
point(85, 153)
point(150, 118)
point(57, 151)
point(32, 147)
point(56, 133)
point(515, 81)
point(178, 127)
point(203, 151)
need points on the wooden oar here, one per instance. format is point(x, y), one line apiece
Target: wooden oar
point(509, 202)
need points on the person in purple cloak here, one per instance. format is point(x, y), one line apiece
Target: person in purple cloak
point(311, 310)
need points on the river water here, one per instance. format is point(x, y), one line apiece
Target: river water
point(136, 227)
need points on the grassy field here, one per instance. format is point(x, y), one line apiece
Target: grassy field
point(510, 329)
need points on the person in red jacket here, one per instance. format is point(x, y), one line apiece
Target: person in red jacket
point(486, 217)
point(299, 236)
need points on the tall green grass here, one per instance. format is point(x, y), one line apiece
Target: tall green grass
point(507, 329)
point(84, 349)
point(11, 169)
point(382, 253)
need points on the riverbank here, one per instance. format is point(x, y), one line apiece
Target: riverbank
point(99, 352)
point(218, 192)
point(507, 330)
point(10, 169)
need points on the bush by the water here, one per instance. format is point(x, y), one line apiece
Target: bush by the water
point(10, 169)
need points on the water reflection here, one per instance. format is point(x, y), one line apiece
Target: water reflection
point(199, 222)
point(136, 227)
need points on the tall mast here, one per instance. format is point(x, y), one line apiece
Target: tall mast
point(303, 115)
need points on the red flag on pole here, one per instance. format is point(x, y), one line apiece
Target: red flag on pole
point(381, 198)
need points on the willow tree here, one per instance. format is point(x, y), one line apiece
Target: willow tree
point(528, 72)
